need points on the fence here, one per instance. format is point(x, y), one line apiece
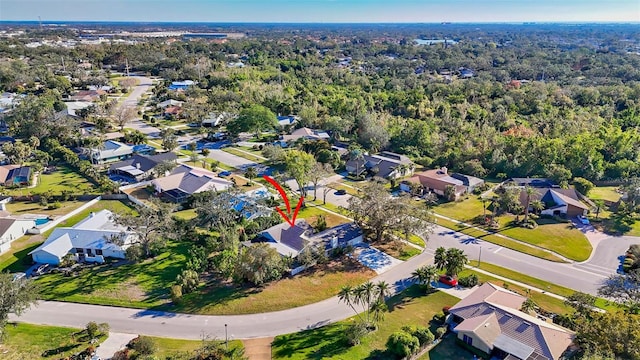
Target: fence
point(56, 222)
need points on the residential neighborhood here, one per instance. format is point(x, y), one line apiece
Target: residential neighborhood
point(175, 191)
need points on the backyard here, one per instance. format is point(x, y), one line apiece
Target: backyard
point(62, 179)
point(34, 207)
point(411, 307)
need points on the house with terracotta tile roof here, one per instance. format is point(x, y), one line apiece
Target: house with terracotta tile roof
point(490, 320)
point(437, 180)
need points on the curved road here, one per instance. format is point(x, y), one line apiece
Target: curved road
point(310, 316)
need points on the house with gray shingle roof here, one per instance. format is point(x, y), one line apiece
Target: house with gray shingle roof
point(185, 181)
point(91, 240)
point(385, 165)
point(489, 319)
point(291, 240)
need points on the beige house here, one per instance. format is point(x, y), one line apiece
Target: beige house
point(489, 319)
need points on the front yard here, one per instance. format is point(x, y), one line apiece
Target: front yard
point(411, 307)
point(26, 341)
point(561, 238)
point(311, 213)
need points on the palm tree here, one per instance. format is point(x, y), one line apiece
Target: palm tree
point(440, 258)
point(599, 205)
point(346, 295)
point(484, 208)
point(537, 206)
point(378, 309)
point(529, 191)
point(250, 173)
point(528, 306)
point(424, 275)
point(456, 260)
point(384, 289)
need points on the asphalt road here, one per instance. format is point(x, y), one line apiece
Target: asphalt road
point(134, 96)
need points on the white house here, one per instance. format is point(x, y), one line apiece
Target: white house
point(170, 102)
point(91, 240)
point(11, 229)
point(111, 151)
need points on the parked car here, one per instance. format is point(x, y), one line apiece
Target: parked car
point(448, 280)
point(19, 275)
point(42, 269)
point(583, 220)
point(224, 173)
point(341, 192)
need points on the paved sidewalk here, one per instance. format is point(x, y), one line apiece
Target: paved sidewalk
point(115, 342)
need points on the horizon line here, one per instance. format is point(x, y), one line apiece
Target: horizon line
point(44, 22)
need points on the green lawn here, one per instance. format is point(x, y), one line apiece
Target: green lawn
point(310, 213)
point(62, 179)
point(26, 341)
point(139, 285)
point(349, 189)
point(411, 307)
point(561, 238)
point(317, 284)
point(241, 154)
point(115, 206)
point(188, 214)
point(492, 238)
point(606, 193)
point(169, 348)
point(16, 259)
point(30, 207)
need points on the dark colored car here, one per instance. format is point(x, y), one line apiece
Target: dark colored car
point(341, 192)
point(448, 280)
point(224, 173)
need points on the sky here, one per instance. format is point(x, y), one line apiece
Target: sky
point(297, 11)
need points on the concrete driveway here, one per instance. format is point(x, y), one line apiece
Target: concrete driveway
point(375, 259)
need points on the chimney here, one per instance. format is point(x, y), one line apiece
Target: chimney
point(444, 170)
point(138, 166)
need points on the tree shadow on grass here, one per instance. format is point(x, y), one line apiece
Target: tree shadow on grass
point(407, 296)
point(59, 350)
point(318, 343)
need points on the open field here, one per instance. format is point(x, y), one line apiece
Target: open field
point(26, 341)
point(316, 284)
point(411, 307)
point(606, 193)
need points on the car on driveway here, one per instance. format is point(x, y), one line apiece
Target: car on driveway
point(448, 280)
point(341, 192)
point(224, 173)
point(583, 220)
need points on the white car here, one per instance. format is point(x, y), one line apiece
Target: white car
point(583, 220)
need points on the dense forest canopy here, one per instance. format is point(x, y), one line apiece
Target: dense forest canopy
point(546, 100)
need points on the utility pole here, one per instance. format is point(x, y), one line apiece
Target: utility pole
point(126, 66)
point(479, 256)
point(226, 337)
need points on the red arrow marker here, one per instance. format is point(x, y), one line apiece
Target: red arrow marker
point(284, 196)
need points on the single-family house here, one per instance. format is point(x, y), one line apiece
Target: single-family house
point(216, 119)
point(181, 85)
point(13, 228)
point(288, 120)
point(15, 175)
point(8, 101)
point(140, 167)
point(75, 106)
point(531, 182)
point(290, 240)
point(303, 133)
point(172, 111)
point(185, 181)
point(466, 73)
point(87, 95)
point(437, 181)
point(111, 151)
point(386, 165)
point(167, 103)
point(557, 201)
point(93, 239)
point(489, 319)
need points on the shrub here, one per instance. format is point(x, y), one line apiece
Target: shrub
point(92, 329)
point(176, 294)
point(439, 318)
point(423, 334)
point(121, 355)
point(402, 344)
point(468, 281)
point(188, 280)
point(440, 332)
point(355, 332)
point(143, 345)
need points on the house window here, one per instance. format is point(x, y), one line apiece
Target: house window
point(467, 340)
point(79, 251)
point(98, 252)
point(89, 252)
